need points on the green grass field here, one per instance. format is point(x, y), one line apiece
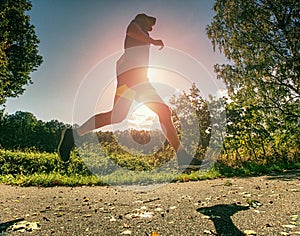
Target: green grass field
point(31, 168)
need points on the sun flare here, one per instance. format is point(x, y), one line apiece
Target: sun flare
point(168, 77)
point(143, 118)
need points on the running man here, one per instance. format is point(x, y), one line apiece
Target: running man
point(133, 84)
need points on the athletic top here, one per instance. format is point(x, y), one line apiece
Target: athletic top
point(131, 42)
point(136, 52)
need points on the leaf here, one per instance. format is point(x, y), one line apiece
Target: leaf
point(126, 232)
point(146, 214)
point(209, 232)
point(126, 226)
point(159, 209)
point(86, 199)
point(24, 225)
point(250, 232)
point(289, 226)
point(284, 233)
point(253, 203)
point(59, 214)
point(155, 233)
point(294, 217)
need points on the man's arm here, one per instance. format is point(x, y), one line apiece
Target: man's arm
point(135, 31)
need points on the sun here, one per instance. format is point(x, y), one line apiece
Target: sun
point(145, 111)
point(168, 77)
point(143, 118)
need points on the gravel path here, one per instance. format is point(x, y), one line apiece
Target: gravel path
point(265, 205)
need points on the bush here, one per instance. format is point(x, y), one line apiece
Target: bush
point(33, 162)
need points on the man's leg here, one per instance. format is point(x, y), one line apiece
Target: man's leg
point(165, 118)
point(116, 115)
point(152, 100)
point(122, 103)
point(185, 161)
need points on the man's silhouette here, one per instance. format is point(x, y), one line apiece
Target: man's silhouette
point(133, 84)
point(221, 217)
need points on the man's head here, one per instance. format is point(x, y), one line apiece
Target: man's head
point(146, 22)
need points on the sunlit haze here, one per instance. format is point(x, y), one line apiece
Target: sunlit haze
point(78, 35)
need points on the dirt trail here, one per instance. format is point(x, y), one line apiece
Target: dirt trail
point(265, 205)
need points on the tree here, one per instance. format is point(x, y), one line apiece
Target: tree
point(18, 48)
point(192, 119)
point(260, 39)
point(17, 129)
point(23, 130)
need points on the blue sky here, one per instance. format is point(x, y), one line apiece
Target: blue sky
point(76, 35)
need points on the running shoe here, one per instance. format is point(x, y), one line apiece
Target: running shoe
point(66, 144)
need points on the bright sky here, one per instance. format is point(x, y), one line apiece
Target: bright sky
point(79, 37)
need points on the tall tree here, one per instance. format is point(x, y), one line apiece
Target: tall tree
point(18, 48)
point(260, 39)
point(192, 119)
point(23, 130)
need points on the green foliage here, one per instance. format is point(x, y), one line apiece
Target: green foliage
point(139, 141)
point(261, 41)
point(251, 147)
point(43, 169)
point(51, 179)
point(18, 48)
point(105, 158)
point(251, 168)
point(193, 121)
point(16, 163)
point(254, 137)
point(22, 130)
point(33, 168)
point(33, 162)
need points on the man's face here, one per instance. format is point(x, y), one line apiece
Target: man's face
point(149, 23)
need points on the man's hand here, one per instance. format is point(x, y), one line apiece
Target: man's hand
point(158, 42)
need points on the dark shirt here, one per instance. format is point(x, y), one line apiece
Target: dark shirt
point(136, 54)
point(131, 42)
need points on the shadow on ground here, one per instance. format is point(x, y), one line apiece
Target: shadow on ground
point(4, 226)
point(221, 217)
point(285, 175)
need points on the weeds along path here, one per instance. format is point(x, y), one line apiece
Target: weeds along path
point(265, 205)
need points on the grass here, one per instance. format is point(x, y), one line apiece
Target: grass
point(33, 168)
point(254, 168)
point(51, 179)
point(119, 179)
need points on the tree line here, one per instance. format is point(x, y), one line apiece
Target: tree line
point(22, 130)
point(260, 40)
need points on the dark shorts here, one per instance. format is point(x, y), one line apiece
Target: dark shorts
point(133, 83)
point(141, 92)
